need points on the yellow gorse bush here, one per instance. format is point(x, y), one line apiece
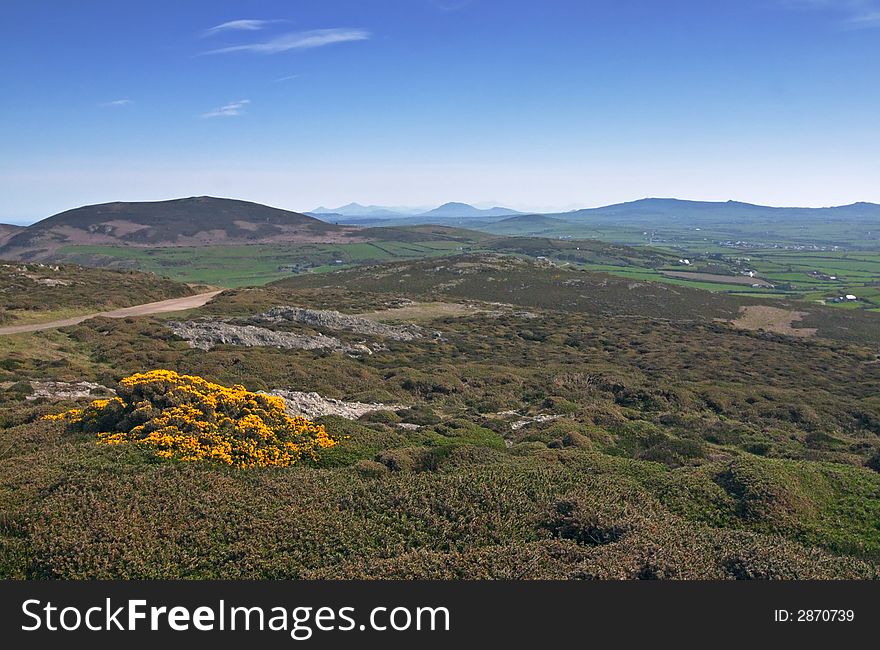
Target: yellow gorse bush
point(188, 418)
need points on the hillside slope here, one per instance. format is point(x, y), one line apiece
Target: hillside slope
point(195, 221)
point(549, 285)
point(527, 224)
point(7, 230)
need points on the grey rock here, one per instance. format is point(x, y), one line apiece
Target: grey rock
point(313, 405)
point(67, 390)
point(334, 320)
point(208, 333)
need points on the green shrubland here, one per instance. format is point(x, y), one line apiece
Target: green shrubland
point(540, 437)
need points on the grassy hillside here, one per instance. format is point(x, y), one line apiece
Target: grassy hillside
point(559, 424)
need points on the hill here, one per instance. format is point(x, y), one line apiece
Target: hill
point(646, 210)
point(527, 283)
point(705, 225)
point(527, 224)
point(464, 210)
point(195, 221)
point(531, 282)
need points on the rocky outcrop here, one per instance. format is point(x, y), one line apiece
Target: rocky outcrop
point(527, 420)
point(67, 390)
point(334, 320)
point(313, 405)
point(206, 334)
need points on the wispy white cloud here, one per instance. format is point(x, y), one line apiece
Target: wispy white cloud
point(288, 77)
point(116, 103)
point(451, 5)
point(232, 109)
point(244, 25)
point(864, 20)
point(298, 41)
point(852, 14)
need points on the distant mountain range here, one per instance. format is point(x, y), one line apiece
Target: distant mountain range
point(651, 212)
point(465, 210)
point(358, 210)
point(452, 209)
point(646, 210)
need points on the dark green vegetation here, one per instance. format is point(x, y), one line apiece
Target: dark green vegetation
point(40, 292)
point(570, 425)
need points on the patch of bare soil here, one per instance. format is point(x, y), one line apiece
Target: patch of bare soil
point(772, 319)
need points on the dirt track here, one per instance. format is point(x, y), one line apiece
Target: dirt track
point(175, 304)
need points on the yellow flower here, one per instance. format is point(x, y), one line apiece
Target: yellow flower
point(188, 418)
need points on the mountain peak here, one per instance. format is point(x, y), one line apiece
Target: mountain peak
point(457, 209)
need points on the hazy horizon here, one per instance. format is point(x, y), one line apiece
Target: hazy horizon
point(416, 210)
point(536, 107)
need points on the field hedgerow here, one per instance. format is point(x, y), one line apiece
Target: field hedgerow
point(188, 418)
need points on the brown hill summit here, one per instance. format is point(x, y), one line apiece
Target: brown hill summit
point(194, 221)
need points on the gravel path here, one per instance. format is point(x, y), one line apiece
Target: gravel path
point(174, 304)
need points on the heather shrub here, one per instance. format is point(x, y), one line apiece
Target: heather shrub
point(409, 459)
point(598, 514)
point(370, 468)
point(380, 417)
point(764, 492)
point(874, 461)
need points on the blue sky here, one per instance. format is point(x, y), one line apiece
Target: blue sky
point(535, 105)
